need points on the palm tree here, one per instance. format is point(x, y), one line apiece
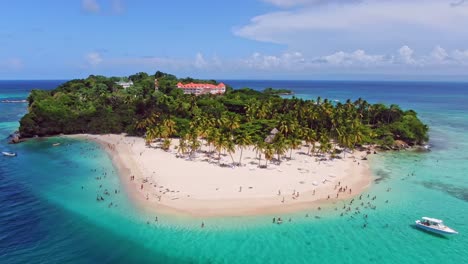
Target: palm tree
point(310, 137)
point(251, 110)
point(219, 146)
point(230, 147)
point(169, 126)
point(183, 144)
point(269, 152)
point(149, 121)
point(279, 145)
point(166, 145)
point(294, 143)
point(211, 135)
point(259, 147)
point(243, 140)
point(194, 143)
point(325, 145)
point(230, 122)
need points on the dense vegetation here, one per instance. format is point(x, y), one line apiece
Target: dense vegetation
point(240, 117)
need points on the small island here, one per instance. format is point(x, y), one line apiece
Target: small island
point(201, 148)
point(272, 91)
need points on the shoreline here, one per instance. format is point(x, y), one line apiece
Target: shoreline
point(165, 184)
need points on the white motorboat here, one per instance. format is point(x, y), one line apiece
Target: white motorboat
point(9, 154)
point(435, 226)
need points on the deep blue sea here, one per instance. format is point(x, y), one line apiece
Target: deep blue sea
point(49, 213)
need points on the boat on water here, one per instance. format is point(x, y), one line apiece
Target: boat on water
point(9, 154)
point(56, 144)
point(435, 226)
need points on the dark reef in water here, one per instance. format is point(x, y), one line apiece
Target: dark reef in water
point(452, 190)
point(382, 176)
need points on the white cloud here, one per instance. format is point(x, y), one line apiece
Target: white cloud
point(287, 60)
point(200, 61)
point(93, 58)
point(291, 3)
point(405, 55)
point(402, 61)
point(358, 57)
point(115, 7)
point(368, 24)
point(90, 6)
point(439, 54)
point(460, 56)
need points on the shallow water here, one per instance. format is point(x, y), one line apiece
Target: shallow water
point(50, 213)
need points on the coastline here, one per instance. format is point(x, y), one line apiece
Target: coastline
point(164, 183)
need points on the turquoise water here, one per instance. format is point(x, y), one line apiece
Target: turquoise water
point(49, 212)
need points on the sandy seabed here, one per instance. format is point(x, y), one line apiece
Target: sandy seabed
point(167, 183)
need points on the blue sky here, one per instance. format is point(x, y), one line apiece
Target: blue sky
point(243, 39)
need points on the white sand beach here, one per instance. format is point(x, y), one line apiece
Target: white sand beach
point(200, 187)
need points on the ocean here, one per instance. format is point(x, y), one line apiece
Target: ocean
point(49, 212)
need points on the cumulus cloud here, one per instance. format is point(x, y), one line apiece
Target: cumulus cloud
point(405, 55)
point(90, 6)
point(291, 3)
point(458, 3)
point(358, 57)
point(113, 7)
point(439, 54)
point(367, 24)
point(403, 61)
point(200, 61)
point(287, 60)
point(93, 58)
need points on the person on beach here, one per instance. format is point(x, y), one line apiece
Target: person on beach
point(274, 220)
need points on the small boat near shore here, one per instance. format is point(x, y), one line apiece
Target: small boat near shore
point(8, 154)
point(435, 226)
point(56, 144)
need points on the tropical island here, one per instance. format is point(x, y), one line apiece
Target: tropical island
point(231, 152)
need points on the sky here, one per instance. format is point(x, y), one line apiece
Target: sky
point(242, 39)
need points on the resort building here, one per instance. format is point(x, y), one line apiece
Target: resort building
point(202, 88)
point(125, 85)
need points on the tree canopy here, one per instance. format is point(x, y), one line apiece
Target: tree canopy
point(99, 105)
